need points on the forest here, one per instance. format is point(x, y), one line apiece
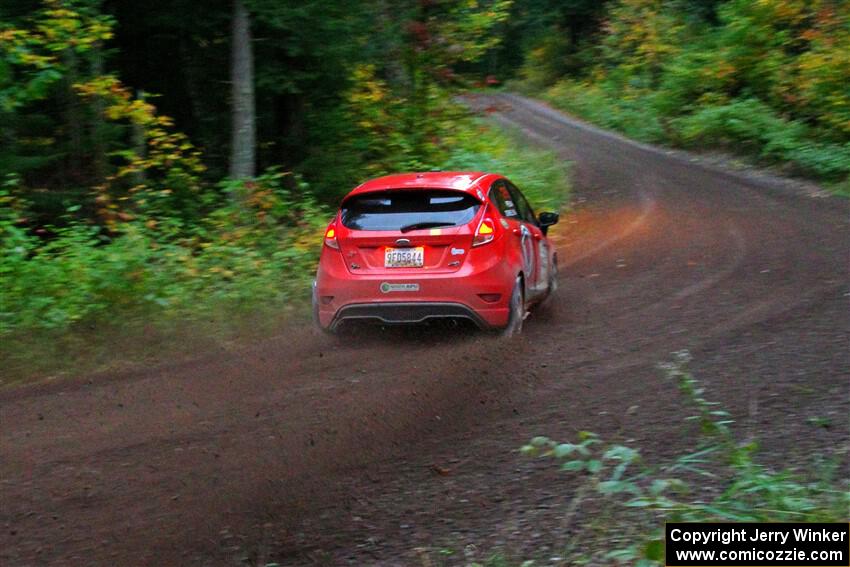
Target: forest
point(767, 79)
point(178, 161)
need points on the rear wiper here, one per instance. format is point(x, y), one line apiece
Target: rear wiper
point(418, 225)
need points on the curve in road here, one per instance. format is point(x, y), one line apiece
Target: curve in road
point(367, 451)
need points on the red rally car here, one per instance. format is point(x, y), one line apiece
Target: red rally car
point(412, 247)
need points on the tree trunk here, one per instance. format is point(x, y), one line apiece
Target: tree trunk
point(73, 117)
point(390, 36)
point(243, 135)
point(190, 75)
point(140, 145)
point(97, 133)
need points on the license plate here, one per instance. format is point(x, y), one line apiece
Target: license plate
point(404, 257)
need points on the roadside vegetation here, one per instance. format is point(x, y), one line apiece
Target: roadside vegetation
point(114, 223)
point(618, 502)
point(763, 80)
point(247, 260)
point(720, 480)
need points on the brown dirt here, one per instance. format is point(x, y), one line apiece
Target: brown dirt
point(306, 450)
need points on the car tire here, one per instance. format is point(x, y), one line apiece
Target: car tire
point(517, 311)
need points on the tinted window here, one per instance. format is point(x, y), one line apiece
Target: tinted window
point(392, 210)
point(525, 209)
point(504, 201)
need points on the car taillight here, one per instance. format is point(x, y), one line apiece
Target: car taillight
point(486, 232)
point(330, 237)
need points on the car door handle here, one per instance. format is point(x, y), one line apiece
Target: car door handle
point(538, 237)
point(516, 231)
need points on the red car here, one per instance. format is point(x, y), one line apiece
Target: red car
point(412, 247)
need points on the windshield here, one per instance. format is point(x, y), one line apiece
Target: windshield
point(397, 210)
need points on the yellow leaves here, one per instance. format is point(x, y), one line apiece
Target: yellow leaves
point(791, 11)
point(59, 28)
point(167, 153)
point(8, 36)
point(35, 60)
point(640, 33)
point(823, 77)
point(222, 271)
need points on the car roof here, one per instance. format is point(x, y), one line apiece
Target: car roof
point(471, 182)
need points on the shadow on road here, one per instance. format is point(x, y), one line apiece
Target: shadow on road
point(430, 333)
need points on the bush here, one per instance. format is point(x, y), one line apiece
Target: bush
point(745, 124)
point(257, 249)
point(753, 127)
point(631, 113)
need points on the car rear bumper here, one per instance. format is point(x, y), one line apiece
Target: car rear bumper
point(340, 296)
point(408, 312)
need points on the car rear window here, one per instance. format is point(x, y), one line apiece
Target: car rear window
point(394, 210)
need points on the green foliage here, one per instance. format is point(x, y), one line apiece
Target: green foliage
point(460, 31)
point(640, 36)
point(756, 128)
point(43, 131)
point(377, 130)
point(111, 212)
point(32, 60)
point(259, 253)
point(629, 113)
point(766, 79)
point(160, 178)
point(540, 174)
point(720, 480)
point(544, 63)
point(255, 245)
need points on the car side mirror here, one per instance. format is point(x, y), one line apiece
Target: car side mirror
point(546, 220)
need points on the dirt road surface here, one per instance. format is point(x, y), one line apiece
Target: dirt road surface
point(303, 450)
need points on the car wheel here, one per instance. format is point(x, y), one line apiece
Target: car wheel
point(517, 311)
